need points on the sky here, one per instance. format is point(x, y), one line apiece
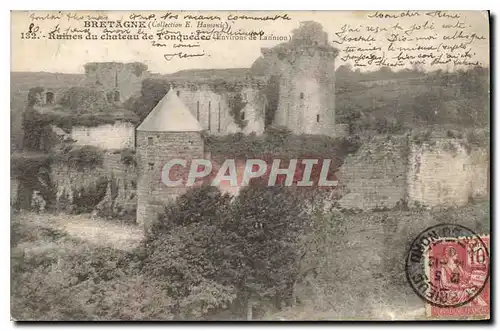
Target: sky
point(69, 56)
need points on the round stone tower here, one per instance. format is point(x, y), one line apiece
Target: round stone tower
point(305, 67)
point(169, 132)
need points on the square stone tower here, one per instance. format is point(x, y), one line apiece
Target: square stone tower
point(169, 132)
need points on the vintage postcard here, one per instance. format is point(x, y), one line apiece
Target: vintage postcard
point(250, 165)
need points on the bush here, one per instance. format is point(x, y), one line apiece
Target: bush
point(128, 157)
point(86, 198)
point(266, 228)
point(186, 249)
point(236, 106)
point(152, 91)
point(214, 254)
point(67, 121)
point(80, 282)
point(277, 142)
point(24, 165)
point(478, 138)
point(385, 126)
point(81, 157)
point(84, 99)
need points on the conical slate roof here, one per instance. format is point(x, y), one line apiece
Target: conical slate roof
point(170, 115)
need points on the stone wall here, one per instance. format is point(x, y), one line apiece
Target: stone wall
point(254, 113)
point(479, 173)
point(391, 170)
point(119, 135)
point(341, 130)
point(375, 176)
point(446, 172)
point(211, 108)
point(115, 77)
point(154, 149)
point(119, 198)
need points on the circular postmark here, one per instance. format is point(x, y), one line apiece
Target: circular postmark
point(447, 265)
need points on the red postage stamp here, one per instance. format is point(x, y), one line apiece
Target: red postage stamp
point(458, 268)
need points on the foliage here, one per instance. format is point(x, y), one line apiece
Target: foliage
point(32, 126)
point(412, 97)
point(214, 254)
point(422, 136)
point(309, 33)
point(349, 116)
point(67, 120)
point(28, 164)
point(386, 126)
point(152, 91)
point(139, 68)
point(204, 205)
point(266, 226)
point(279, 142)
point(84, 100)
point(186, 250)
point(127, 156)
point(478, 138)
point(32, 170)
point(81, 157)
point(34, 95)
point(55, 277)
point(355, 259)
point(236, 106)
point(277, 134)
point(86, 198)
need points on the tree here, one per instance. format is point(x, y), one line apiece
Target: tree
point(266, 227)
point(310, 33)
point(152, 91)
point(213, 254)
point(186, 250)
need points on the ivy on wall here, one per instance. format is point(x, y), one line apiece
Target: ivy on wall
point(236, 106)
point(80, 157)
point(127, 157)
point(138, 68)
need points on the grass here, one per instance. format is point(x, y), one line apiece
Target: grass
point(360, 264)
point(358, 259)
point(82, 227)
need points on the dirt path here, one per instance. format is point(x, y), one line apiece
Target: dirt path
point(97, 231)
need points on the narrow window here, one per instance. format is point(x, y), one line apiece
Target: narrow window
point(151, 165)
point(301, 95)
point(198, 110)
point(117, 96)
point(178, 93)
point(49, 98)
point(218, 128)
point(150, 141)
point(317, 118)
point(209, 115)
point(242, 115)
